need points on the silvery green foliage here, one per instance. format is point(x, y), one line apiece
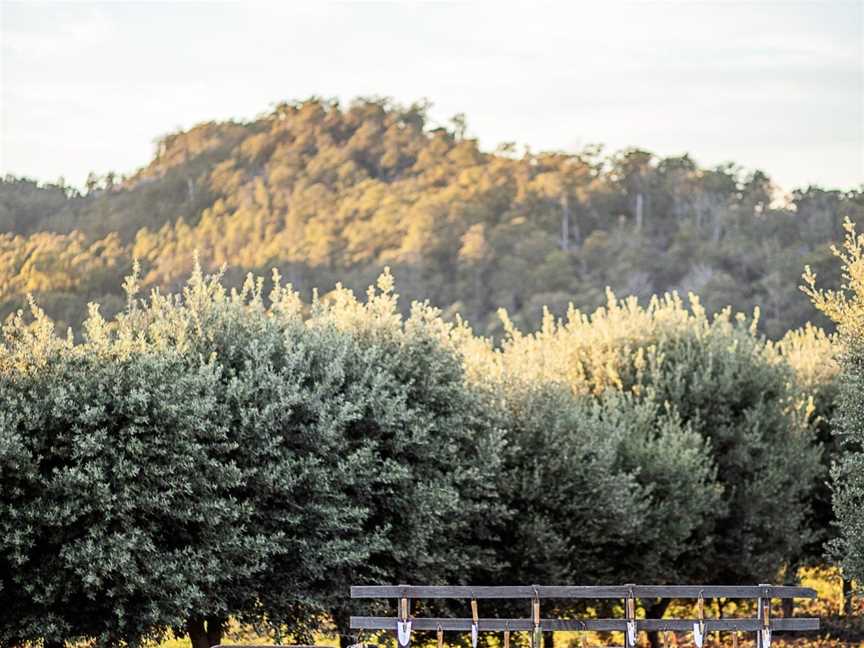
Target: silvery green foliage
point(723, 382)
point(116, 479)
point(845, 306)
point(608, 490)
point(287, 392)
point(247, 456)
point(736, 391)
point(848, 483)
point(431, 489)
point(813, 355)
point(675, 470)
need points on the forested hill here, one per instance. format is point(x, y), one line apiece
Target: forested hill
point(326, 193)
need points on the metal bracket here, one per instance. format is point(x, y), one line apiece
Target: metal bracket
point(699, 627)
point(403, 625)
point(475, 623)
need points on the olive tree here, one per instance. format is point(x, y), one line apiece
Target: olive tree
point(116, 478)
point(431, 492)
point(724, 383)
point(607, 488)
point(845, 306)
point(218, 453)
point(363, 456)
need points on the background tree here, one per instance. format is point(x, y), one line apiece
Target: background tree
point(333, 193)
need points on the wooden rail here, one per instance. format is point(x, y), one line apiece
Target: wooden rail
point(579, 591)
point(591, 625)
point(763, 624)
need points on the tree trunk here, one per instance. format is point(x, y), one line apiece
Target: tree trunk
point(197, 633)
point(342, 620)
point(790, 578)
point(215, 627)
point(565, 223)
point(481, 293)
point(718, 229)
point(548, 640)
point(788, 607)
point(847, 597)
point(656, 610)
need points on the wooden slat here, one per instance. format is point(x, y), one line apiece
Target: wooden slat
point(580, 591)
point(516, 625)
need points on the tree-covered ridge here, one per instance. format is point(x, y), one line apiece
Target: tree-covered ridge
point(325, 192)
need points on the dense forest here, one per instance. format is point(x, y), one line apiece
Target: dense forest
point(328, 193)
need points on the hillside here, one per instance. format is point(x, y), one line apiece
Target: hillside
point(327, 193)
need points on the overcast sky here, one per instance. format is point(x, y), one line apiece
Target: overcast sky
point(777, 86)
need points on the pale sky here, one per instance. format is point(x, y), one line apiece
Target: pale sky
point(777, 86)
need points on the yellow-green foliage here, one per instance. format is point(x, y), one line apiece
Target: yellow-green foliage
point(814, 357)
point(610, 348)
point(843, 304)
point(812, 354)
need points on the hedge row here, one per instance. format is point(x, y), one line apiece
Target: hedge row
point(217, 454)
